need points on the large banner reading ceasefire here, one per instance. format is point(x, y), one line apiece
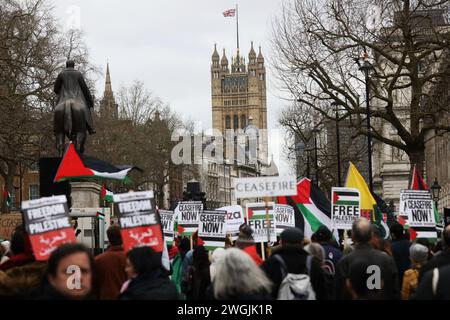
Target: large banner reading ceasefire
point(187, 215)
point(167, 223)
point(212, 229)
point(47, 223)
point(138, 221)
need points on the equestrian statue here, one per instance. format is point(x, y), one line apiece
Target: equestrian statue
point(72, 117)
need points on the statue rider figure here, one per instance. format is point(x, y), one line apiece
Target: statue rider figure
point(70, 84)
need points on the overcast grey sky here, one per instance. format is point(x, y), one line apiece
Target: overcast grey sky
point(167, 44)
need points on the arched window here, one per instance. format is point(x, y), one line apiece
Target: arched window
point(243, 121)
point(235, 122)
point(227, 122)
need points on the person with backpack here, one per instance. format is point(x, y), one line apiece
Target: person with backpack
point(324, 237)
point(318, 254)
point(294, 273)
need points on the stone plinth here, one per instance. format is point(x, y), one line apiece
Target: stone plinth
point(85, 194)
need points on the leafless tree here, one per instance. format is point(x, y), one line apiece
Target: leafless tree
point(32, 49)
point(407, 41)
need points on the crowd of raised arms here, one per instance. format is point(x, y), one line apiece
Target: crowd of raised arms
point(295, 268)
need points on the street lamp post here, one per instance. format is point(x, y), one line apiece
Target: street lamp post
point(316, 164)
point(338, 144)
point(366, 68)
point(436, 190)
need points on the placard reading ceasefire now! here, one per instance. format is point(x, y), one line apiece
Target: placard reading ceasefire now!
point(265, 187)
point(47, 223)
point(138, 220)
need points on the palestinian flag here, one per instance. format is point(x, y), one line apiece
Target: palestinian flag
point(100, 215)
point(417, 183)
point(106, 195)
point(368, 205)
point(346, 198)
point(312, 208)
point(75, 166)
point(7, 197)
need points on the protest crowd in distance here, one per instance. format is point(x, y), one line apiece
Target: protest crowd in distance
point(295, 245)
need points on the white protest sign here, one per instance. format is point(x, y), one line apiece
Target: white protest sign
point(417, 205)
point(345, 207)
point(284, 217)
point(265, 187)
point(186, 214)
point(211, 229)
point(167, 223)
point(257, 220)
point(234, 219)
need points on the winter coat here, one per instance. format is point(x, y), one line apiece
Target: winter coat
point(365, 253)
point(110, 273)
point(196, 282)
point(155, 286)
point(400, 252)
point(425, 289)
point(295, 260)
point(20, 281)
point(259, 295)
point(438, 261)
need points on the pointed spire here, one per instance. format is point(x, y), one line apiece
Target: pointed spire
point(108, 87)
point(224, 60)
point(252, 53)
point(260, 56)
point(215, 55)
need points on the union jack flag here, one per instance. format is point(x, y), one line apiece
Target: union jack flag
point(229, 13)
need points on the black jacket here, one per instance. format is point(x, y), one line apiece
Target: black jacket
point(438, 261)
point(368, 255)
point(400, 253)
point(425, 289)
point(295, 260)
point(150, 287)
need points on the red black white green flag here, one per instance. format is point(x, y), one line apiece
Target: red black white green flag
point(312, 208)
point(75, 166)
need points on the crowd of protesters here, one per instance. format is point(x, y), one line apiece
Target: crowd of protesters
point(367, 267)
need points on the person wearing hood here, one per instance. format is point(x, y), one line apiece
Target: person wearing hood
point(20, 275)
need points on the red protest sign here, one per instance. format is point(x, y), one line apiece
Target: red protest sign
point(48, 225)
point(139, 223)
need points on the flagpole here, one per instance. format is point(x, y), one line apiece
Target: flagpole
point(237, 27)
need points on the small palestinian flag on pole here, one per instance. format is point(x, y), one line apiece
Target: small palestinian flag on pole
point(106, 195)
point(7, 197)
point(74, 166)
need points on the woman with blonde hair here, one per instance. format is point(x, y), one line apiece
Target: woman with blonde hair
point(240, 278)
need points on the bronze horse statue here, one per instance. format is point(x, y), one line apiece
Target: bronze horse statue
point(72, 118)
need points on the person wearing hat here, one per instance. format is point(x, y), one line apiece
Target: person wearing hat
point(324, 237)
point(246, 243)
point(295, 260)
point(418, 254)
